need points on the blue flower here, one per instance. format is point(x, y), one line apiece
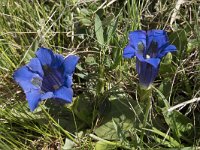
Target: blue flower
point(149, 48)
point(47, 76)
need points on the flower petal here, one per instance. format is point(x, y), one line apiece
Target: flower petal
point(128, 52)
point(47, 95)
point(70, 64)
point(156, 41)
point(25, 79)
point(153, 61)
point(35, 66)
point(159, 36)
point(147, 70)
point(147, 73)
point(169, 48)
point(45, 56)
point(33, 97)
point(57, 61)
point(64, 93)
point(140, 56)
point(68, 81)
point(136, 37)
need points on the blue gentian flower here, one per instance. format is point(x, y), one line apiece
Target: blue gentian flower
point(149, 48)
point(47, 76)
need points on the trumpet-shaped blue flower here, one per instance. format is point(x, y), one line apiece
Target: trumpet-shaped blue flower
point(47, 76)
point(149, 48)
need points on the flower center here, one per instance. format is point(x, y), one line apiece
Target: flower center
point(153, 49)
point(147, 56)
point(141, 48)
point(37, 82)
point(52, 79)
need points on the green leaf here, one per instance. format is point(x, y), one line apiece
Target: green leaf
point(120, 119)
point(180, 124)
point(99, 30)
point(86, 21)
point(62, 114)
point(165, 89)
point(111, 29)
point(179, 38)
point(85, 12)
point(90, 60)
point(83, 108)
point(167, 67)
point(167, 59)
point(169, 141)
point(107, 21)
point(183, 148)
point(100, 145)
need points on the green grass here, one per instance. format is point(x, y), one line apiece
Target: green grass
point(106, 112)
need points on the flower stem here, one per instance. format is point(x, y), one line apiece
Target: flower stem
point(145, 98)
point(101, 82)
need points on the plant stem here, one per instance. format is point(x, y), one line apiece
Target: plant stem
point(145, 98)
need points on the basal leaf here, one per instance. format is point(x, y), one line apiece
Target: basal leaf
point(123, 116)
point(180, 124)
point(83, 108)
